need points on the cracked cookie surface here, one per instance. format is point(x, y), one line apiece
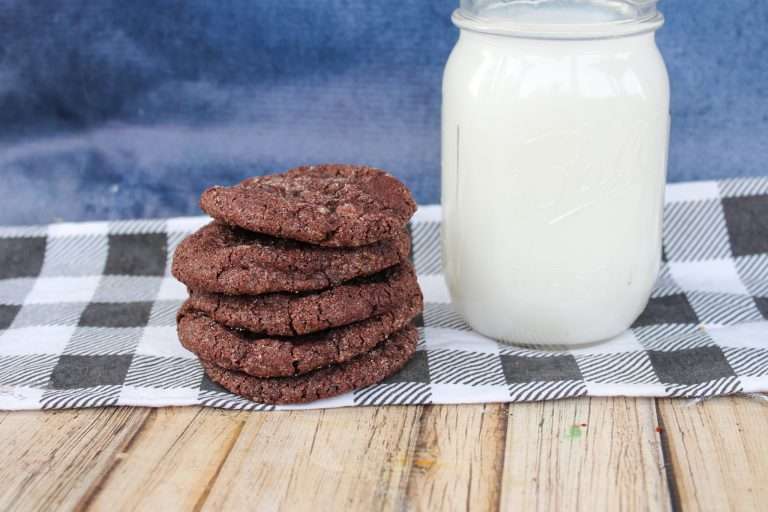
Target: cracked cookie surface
point(263, 356)
point(223, 259)
point(364, 370)
point(285, 314)
point(332, 205)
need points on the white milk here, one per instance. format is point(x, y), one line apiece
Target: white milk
point(554, 164)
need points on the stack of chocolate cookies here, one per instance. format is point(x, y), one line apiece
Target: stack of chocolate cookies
point(301, 288)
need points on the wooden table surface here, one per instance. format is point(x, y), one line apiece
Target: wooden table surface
point(579, 454)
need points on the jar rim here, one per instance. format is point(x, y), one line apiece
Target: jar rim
point(597, 30)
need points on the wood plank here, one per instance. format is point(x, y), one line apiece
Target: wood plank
point(172, 461)
point(50, 460)
point(718, 450)
point(552, 462)
point(342, 459)
point(458, 459)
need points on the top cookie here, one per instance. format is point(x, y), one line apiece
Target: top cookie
point(332, 205)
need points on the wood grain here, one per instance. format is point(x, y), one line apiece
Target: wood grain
point(718, 452)
point(51, 460)
point(458, 458)
point(533, 457)
point(552, 462)
point(343, 459)
point(172, 462)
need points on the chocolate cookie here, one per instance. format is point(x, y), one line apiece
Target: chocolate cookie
point(332, 205)
point(223, 259)
point(284, 314)
point(262, 356)
point(364, 370)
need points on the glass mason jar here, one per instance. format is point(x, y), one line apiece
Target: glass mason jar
point(555, 132)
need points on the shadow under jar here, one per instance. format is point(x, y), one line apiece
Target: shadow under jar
point(555, 134)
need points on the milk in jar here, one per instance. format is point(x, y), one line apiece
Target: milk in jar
point(555, 130)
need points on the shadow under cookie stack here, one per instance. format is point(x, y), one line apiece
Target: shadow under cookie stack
point(301, 288)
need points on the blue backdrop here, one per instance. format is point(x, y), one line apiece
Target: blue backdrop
point(112, 109)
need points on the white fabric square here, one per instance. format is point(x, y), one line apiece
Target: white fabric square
point(428, 213)
point(171, 289)
point(345, 400)
point(434, 288)
point(48, 290)
point(18, 398)
point(753, 385)
point(74, 229)
point(128, 289)
point(14, 291)
point(156, 397)
point(462, 394)
point(436, 338)
point(708, 276)
point(162, 342)
point(35, 340)
point(746, 335)
point(186, 224)
point(693, 191)
point(612, 389)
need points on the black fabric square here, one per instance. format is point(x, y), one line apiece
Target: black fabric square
point(136, 255)
point(671, 309)
point(762, 305)
point(7, 315)
point(124, 314)
point(518, 369)
point(747, 221)
point(691, 366)
point(89, 371)
point(415, 370)
point(21, 257)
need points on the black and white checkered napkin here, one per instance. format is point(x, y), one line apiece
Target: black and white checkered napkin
point(87, 318)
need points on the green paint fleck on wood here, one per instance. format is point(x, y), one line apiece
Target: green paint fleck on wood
point(574, 432)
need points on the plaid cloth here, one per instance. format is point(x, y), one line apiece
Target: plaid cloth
point(87, 318)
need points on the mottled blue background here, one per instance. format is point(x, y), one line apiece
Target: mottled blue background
point(114, 109)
